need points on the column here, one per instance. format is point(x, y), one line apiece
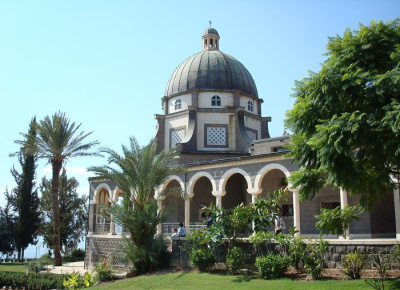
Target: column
point(254, 193)
point(218, 195)
point(397, 211)
point(296, 212)
point(187, 208)
point(159, 202)
point(343, 203)
point(112, 225)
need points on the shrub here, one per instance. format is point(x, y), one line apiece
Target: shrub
point(78, 253)
point(354, 264)
point(75, 281)
point(296, 252)
point(235, 259)
point(40, 264)
point(202, 259)
point(272, 266)
point(33, 280)
point(104, 272)
point(314, 258)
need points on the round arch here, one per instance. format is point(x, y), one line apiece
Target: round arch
point(266, 169)
point(229, 173)
point(98, 189)
point(197, 176)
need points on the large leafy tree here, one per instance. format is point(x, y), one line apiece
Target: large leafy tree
point(73, 213)
point(346, 118)
point(56, 140)
point(138, 173)
point(25, 202)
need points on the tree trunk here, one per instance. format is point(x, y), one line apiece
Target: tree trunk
point(56, 213)
point(18, 254)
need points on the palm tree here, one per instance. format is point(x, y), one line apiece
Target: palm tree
point(138, 173)
point(56, 140)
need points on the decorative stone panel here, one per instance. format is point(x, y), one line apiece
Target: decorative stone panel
point(177, 136)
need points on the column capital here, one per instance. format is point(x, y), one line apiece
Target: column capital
point(157, 197)
point(218, 193)
point(254, 191)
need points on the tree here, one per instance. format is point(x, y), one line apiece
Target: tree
point(346, 118)
point(7, 222)
point(25, 201)
point(57, 140)
point(73, 213)
point(138, 173)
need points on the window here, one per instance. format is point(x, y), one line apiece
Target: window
point(287, 210)
point(215, 101)
point(178, 104)
point(216, 136)
point(279, 149)
point(330, 204)
point(250, 106)
point(176, 137)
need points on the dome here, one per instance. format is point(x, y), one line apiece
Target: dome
point(210, 30)
point(211, 69)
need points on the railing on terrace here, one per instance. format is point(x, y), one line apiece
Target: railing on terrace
point(102, 229)
point(167, 227)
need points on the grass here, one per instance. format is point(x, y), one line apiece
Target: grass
point(192, 280)
point(13, 267)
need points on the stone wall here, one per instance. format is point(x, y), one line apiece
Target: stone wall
point(107, 247)
point(104, 247)
point(337, 250)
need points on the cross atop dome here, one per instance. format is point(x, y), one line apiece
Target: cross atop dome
point(210, 38)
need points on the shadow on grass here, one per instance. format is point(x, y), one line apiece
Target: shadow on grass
point(241, 279)
point(393, 284)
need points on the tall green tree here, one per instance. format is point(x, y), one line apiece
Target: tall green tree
point(25, 201)
point(56, 141)
point(7, 224)
point(138, 173)
point(346, 117)
point(73, 213)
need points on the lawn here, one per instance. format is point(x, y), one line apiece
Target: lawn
point(13, 267)
point(192, 280)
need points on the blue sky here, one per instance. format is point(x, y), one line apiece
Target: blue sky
point(106, 63)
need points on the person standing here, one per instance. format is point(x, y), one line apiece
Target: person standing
point(279, 224)
point(210, 220)
point(181, 231)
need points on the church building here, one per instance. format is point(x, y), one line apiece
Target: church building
point(212, 115)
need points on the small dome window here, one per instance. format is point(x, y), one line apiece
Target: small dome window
point(250, 106)
point(178, 104)
point(216, 101)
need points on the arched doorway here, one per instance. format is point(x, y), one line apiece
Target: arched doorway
point(236, 192)
point(202, 197)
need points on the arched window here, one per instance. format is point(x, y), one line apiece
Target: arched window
point(178, 104)
point(250, 106)
point(215, 101)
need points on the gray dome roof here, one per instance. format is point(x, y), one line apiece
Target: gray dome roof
point(210, 30)
point(211, 70)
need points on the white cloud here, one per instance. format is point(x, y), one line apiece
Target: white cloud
point(83, 190)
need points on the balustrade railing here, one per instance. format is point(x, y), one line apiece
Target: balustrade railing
point(102, 228)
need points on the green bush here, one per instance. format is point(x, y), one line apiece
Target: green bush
point(296, 252)
point(272, 266)
point(104, 272)
point(33, 280)
point(314, 257)
point(77, 253)
point(40, 264)
point(235, 259)
point(354, 264)
point(75, 281)
point(202, 259)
